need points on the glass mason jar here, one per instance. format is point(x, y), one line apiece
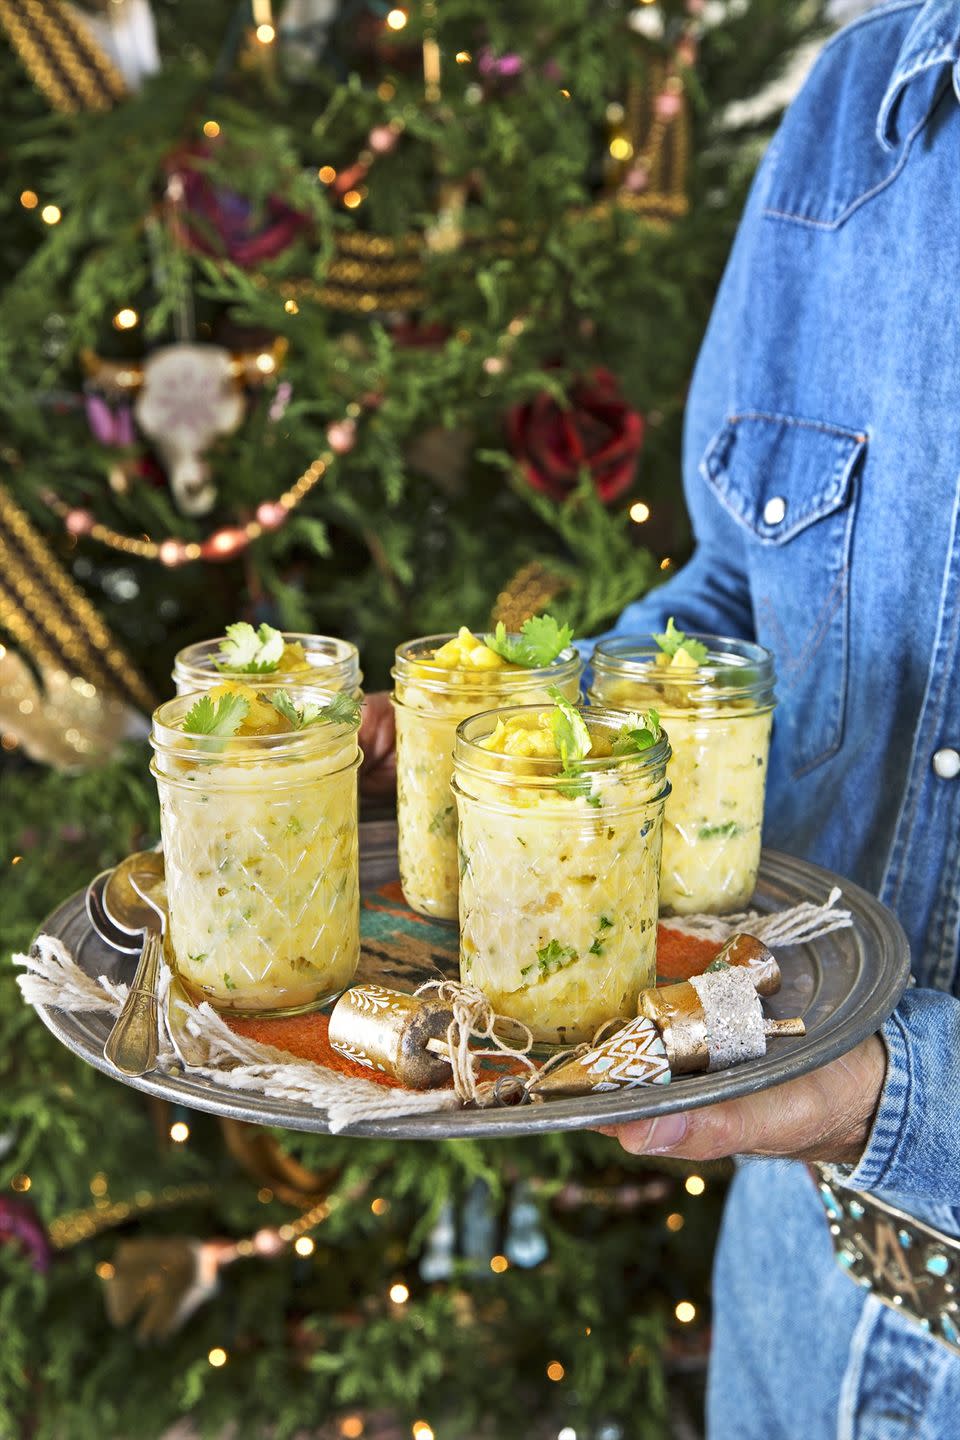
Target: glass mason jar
point(334, 664)
point(430, 701)
point(558, 879)
point(260, 844)
point(718, 715)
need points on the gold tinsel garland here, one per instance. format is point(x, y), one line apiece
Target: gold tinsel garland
point(370, 273)
point(65, 62)
point(46, 613)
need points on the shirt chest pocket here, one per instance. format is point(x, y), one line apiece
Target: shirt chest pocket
point(791, 485)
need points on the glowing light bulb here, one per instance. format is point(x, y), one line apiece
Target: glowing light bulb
point(217, 1356)
point(399, 1294)
point(266, 34)
point(685, 1312)
point(396, 19)
point(351, 1427)
point(555, 1371)
point(291, 307)
point(352, 199)
point(51, 214)
point(125, 319)
point(179, 1132)
point(304, 1246)
point(620, 148)
point(29, 199)
point(21, 1183)
point(639, 512)
point(326, 174)
point(421, 1430)
point(211, 129)
point(265, 363)
point(674, 1222)
point(379, 1206)
point(499, 1263)
point(105, 1270)
point(694, 1184)
point(463, 57)
point(665, 563)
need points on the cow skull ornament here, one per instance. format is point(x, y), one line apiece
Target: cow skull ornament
point(189, 395)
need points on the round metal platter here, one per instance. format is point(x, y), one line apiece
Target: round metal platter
point(844, 985)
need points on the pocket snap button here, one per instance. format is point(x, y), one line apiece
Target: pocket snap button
point(946, 764)
point(775, 510)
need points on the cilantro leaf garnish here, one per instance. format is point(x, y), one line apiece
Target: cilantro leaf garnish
point(540, 642)
point(342, 710)
point(570, 733)
point(673, 640)
point(222, 719)
point(246, 651)
point(641, 731)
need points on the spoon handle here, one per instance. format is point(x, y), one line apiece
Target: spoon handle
point(131, 1045)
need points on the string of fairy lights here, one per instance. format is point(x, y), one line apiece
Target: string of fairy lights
point(269, 1243)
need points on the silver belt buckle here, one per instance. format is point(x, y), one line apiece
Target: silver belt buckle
point(907, 1264)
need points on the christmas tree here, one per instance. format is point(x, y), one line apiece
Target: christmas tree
point(369, 321)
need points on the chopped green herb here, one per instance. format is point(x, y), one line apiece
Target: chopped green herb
point(717, 965)
point(521, 841)
point(197, 959)
point(540, 642)
point(605, 923)
point(230, 984)
point(725, 831)
point(527, 970)
point(554, 957)
point(246, 651)
point(222, 719)
point(673, 640)
point(293, 826)
point(342, 710)
point(444, 822)
point(597, 947)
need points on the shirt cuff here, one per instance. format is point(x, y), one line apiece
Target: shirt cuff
point(914, 1145)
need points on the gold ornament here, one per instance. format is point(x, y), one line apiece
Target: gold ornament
point(60, 720)
point(530, 592)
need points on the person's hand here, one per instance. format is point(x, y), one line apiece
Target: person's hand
point(825, 1115)
point(378, 735)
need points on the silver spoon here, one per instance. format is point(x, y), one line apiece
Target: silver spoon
point(117, 939)
point(151, 888)
point(131, 1047)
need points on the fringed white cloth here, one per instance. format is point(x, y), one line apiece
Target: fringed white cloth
point(795, 926)
point(53, 978)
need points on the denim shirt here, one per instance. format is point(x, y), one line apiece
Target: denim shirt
point(821, 464)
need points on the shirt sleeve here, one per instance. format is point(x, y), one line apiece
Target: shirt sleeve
point(914, 1145)
point(711, 594)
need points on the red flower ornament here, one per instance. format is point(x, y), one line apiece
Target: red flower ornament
point(598, 433)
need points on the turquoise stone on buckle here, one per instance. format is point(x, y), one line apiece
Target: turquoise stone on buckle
point(907, 1264)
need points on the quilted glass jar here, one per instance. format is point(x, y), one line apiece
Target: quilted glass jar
point(559, 879)
point(718, 715)
point(430, 702)
point(321, 660)
point(260, 845)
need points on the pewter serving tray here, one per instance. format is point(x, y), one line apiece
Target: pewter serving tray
point(844, 985)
